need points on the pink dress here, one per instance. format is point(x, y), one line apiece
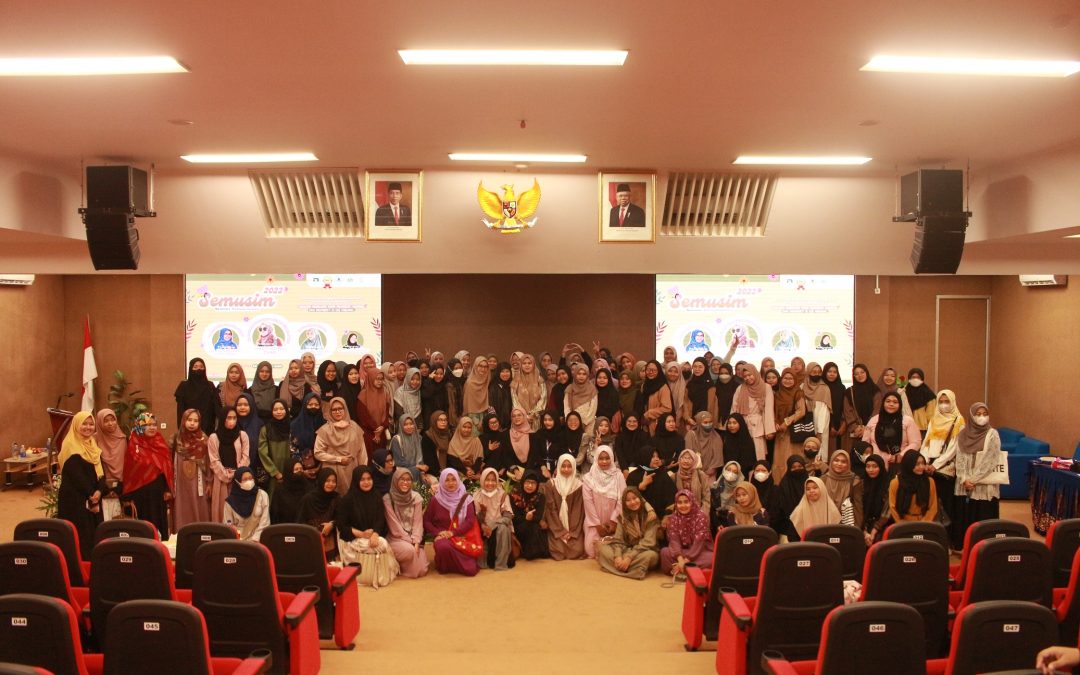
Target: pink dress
point(599, 509)
point(223, 475)
point(408, 546)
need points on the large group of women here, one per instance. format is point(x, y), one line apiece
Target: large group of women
point(636, 464)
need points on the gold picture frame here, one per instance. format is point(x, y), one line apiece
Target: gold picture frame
point(637, 222)
point(382, 222)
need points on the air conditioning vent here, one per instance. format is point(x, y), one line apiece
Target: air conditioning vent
point(304, 204)
point(717, 204)
point(16, 279)
point(1043, 280)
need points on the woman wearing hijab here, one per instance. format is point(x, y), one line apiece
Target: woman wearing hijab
point(318, 508)
point(886, 382)
point(148, 473)
point(628, 443)
point(234, 384)
point(81, 481)
point(631, 551)
point(557, 397)
point(565, 511)
point(113, 444)
point(529, 391)
point(474, 392)
point(607, 399)
point(407, 397)
point(263, 390)
point(496, 517)
point(294, 388)
point(978, 454)
point(861, 401)
point(247, 508)
point(404, 509)
point(918, 399)
point(700, 393)
point(875, 500)
point(329, 385)
point(520, 449)
point(668, 441)
point(581, 397)
point(249, 422)
point(451, 519)
point(362, 529)
point(373, 409)
point(192, 481)
point(601, 489)
point(527, 501)
point(500, 396)
point(382, 470)
point(939, 449)
point(754, 401)
point(227, 448)
point(407, 448)
point(746, 507)
point(285, 504)
point(629, 392)
point(722, 493)
point(912, 495)
point(890, 433)
point(197, 392)
point(831, 377)
point(819, 401)
point(689, 541)
point(738, 445)
point(547, 443)
point(789, 492)
point(495, 441)
point(435, 446)
point(307, 369)
point(844, 489)
point(656, 398)
point(790, 407)
point(687, 475)
point(815, 508)
point(677, 386)
point(339, 444)
point(575, 440)
point(275, 446)
point(726, 386)
point(762, 480)
point(305, 426)
point(465, 452)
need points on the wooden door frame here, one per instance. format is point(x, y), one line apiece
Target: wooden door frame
point(937, 339)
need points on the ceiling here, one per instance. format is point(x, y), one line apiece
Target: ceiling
point(704, 81)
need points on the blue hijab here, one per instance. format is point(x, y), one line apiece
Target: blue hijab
point(251, 424)
point(305, 425)
point(242, 501)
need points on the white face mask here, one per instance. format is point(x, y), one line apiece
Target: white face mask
point(724, 377)
point(945, 408)
point(760, 476)
point(915, 382)
point(981, 420)
point(458, 372)
point(247, 485)
point(730, 476)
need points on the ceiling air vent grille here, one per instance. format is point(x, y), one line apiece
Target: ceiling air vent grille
point(717, 204)
point(301, 204)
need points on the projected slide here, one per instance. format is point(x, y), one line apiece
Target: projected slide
point(247, 318)
point(776, 315)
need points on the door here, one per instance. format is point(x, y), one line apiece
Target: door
point(962, 348)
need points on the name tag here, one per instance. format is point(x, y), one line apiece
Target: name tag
point(126, 559)
point(18, 621)
point(802, 563)
point(877, 628)
point(910, 560)
point(290, 540)
point(1010, 628)
point(230, 560)
point(151, 626)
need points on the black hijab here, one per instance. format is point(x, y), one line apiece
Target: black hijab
point(329, 390)
point(668, 443)
point(318, 506)
point(558, 391)
point(911, 485)
point(285, 504)
point(227, 440)
point(347, 390)
point(383, 480)
point(790, 490)
point(242, 501)
point(571, 439)
point(607, 397)
point(628, 443)
point(766, 489)
point(359, 509)
point(278, 430)
point(863, 393)
point(651, 386)
point(918, 397)
point(306, 424)
point(725, 392)
point(889, 433)
point(875, 493)
point(739, 446)
point(836, 390)
point(697, 388)
point(197, 392)
point(661, 492)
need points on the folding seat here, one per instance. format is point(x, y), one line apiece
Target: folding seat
point(800, 584)
point(1067, 602)
point(128, 569)
point(1063, 540)
point(189, 539)
point(984, 529)
point(124, 528)
point(147, 636)
point(997, 635)
point(65, 537)
point(848, 540)
point(1008, 569)
point(918, 529)
point(300, 563)
point(736, 565)
point(237, 593)
point(38, 567)
point(914, 572)
point(884, 638)
point(42, 632)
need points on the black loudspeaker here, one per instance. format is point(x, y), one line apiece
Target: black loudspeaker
point(939, 244)
point(931, 192)
point(113, 240)
point(116, 187)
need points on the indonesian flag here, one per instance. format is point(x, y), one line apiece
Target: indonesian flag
point(89, 369)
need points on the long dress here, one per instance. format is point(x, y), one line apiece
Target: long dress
point(334, 444)
point(192, 484)
point(449, 555)
point(148, 477)
point(642, 551)
point(78, 480)
point(784, 446)
point(575, 502)
point(408, 544)
point(599, 510)
point(533, 539)
point(223, 475)
point(274, 455)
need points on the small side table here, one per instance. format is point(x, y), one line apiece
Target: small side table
point(28, 467)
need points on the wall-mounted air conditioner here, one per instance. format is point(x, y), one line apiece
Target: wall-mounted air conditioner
point(1044, 280)
point(16, 279)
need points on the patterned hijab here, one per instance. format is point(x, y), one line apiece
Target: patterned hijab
point(690, 527)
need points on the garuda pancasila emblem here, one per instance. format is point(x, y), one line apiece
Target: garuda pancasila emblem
point(509, 214)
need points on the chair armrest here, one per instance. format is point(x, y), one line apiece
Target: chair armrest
point(183, 595)
point(259, 661)
point(735, 605)
point(301, 605)
point(774, 663)
point(95, 663)
point(342, 578)
point(695, 577)
point(1059, 596)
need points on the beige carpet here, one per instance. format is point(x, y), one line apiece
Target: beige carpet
point(541, 617)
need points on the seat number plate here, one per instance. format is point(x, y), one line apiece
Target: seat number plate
point(910, 560)
point(126, 559)
point(151, 626)
point(229, 560)
point(1010, 628)
point(877, 628)
point(290, 540)
point(802, 563)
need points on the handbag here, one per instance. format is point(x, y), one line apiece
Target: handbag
point(999, 475)
point(802, 428)
point(377, 569)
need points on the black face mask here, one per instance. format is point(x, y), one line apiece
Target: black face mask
point(686, 374)
point(198, 376)
point(815, 378)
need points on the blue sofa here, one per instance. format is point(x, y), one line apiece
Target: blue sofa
point(1025, 450)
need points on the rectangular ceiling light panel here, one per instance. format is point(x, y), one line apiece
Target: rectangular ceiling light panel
point(512, 57)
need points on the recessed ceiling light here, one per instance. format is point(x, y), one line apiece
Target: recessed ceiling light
point(514, 157)
point(513, 57)
point(939, 65)
point(89, 65)
point(823, 160)
point(250, 158)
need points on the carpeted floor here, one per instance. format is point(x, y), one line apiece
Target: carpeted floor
point(541, 617)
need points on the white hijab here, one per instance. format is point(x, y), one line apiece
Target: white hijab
point(610, 482)
point(564, 485)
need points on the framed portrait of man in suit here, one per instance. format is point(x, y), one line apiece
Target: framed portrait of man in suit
point(392, 201)
point(627, 207)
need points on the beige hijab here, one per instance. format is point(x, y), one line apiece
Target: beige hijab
point(579, 395)
point(528, 388)
point(817, 391)
point(343, 438)
point(822, 512)
point(474, 393)
point(464, 445)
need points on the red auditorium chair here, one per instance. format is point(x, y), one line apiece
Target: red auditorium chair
point(237, 593)
point(1067, 601)
point(65, 537)
point(1063, 540)
point(16, 669)
point(918, 529)
point(997, 635)
point(160, 636)
point(38, 567)
point(736, 565)
point(883, 638)
point(128, 569)
point(916, 573)
point(189, 539)
point(848, 540)
point(800, 584)
point(42, 632)
point(125, 528)
point(1007, 569)
point(985, 529)
point(300, 563)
